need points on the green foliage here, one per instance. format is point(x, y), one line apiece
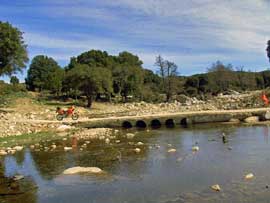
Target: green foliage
point(8, 93)
point(44, 74)
point(90, 81)
point(14, 80)
point(13, 54)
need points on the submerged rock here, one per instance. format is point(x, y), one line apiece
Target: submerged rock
point(79, 169)
point(216, 187)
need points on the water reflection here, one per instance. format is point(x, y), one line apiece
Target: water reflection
point(154, 174)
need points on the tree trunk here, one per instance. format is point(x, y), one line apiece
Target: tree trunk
point(89, 101)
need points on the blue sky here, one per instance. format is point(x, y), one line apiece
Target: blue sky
point(191, 33)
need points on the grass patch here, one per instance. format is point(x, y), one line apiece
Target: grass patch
point(27, 139)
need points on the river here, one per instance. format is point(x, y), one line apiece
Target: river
point(154, 175)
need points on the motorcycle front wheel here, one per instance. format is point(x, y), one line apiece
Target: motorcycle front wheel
point(75, 116)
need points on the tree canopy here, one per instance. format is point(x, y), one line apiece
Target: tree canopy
point(13, 53)
point(44, 74)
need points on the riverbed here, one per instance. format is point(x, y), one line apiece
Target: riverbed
point(153, 174)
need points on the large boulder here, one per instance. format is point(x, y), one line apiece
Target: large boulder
point(79, 169)
point(267, 115)
point(63, 128)
point(252, 119)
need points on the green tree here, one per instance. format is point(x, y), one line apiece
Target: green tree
point(127, 80)
point(90, 81)
point(44, 74)
point(13, 54)
point(14, 80)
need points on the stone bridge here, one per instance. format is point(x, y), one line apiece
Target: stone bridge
point(172, 119)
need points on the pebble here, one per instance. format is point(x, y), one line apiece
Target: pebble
point(249, 176)
point(53, 146)
point(67, 148)
point(195, 148)
point(172, 150)
point(137, 150)
point(130, 135)
point(3, 153)
point(18, 148)
point(107, 140)
point(139, 143)
point(216, 187)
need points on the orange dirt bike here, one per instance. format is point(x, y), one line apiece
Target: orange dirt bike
point(61, 114)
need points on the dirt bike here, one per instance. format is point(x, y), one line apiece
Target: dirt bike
point(64, 114)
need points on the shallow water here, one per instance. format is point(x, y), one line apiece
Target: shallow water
point(153, 175)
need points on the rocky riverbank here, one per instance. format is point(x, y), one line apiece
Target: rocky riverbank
point(24, 116)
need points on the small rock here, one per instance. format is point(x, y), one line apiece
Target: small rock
point(195, 148)
point(64, 139)
point(179, 159)
point(18, 148)
point(107, 140)
point(32, 146)
point(137, 150)
point(117, 141)
point(78, 169)
point(249, 176)
point(139, 143)
point(3, 153)
point(63, 128)
point(252, 119)
point(67, 148)
point(18, 177)
point(130, 135)
point(172, 150)
point(53, 146)
point(216, 187)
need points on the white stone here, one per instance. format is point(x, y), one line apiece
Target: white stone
point(18, 148)
point(139, 143)
point(216, 187)
point(252, 119)
point(172, 150)
point(249, 176)
point(78, 169)
point(130, 135)
point(107, 140)
point(267, 115)
point(63, 128)
point(195, 148)
point(53, 146)
point(3, 153)
point(67, 148)
point(137, 150)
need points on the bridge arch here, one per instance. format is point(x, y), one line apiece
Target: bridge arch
point(184, 122)
point(141, 124)
point(155, 123)
point(170, 123)
point(126, 124)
